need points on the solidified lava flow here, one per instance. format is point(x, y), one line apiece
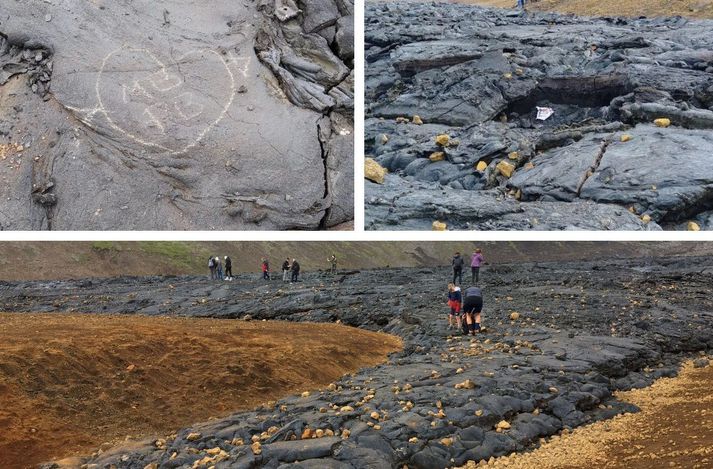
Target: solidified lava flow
point(628, 145)
point(582, 331)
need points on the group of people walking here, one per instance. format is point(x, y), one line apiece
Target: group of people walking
point(290, 269)
point(215, 265)
point(466, 306)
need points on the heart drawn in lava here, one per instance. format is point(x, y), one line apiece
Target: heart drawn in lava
point(167, 107)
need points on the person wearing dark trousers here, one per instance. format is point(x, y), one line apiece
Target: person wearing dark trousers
point(211, 266)
point(333, 260)
point(285, 269)
point(472, 307)
point(295, 270)
point(476, 260)
point(457, 263)
point(228, 268)
point(218, 268)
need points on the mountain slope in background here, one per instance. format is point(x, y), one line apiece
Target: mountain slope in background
point(54, 260)
point(689, 8)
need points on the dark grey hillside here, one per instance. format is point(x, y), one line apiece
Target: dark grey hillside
point(598, 162)
point(560, 338)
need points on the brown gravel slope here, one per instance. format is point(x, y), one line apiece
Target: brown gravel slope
point(69, 383)
point(673, 430)
point(691, 8)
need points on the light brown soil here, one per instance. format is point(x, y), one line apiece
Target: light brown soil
point(69, 383)
point(674, 430)
point(651, 8)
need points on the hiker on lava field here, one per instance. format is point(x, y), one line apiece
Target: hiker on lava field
point(454, 303)
point(218, 268)
point(228, 268)
point(295, 270)
point(211, 266)
point(458, 264)
point(285, 269)
point(476, 260)
point(333, 261)
point(265, 266)
point(472, 307)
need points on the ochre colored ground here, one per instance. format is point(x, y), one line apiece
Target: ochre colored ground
point(673, 430)
point(70, 383)
point(690, 8)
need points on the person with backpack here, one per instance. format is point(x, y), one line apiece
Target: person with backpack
point(475, 262)
point(265, 269)
point(228, 268)
point(295, 270)
point(458, 264)
point(285, 269)
point(211, 266)
point(218, 268)
point(333, 260)
point(472, 307)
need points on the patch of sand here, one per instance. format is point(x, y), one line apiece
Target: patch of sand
point(674, 429)
point(70, 383)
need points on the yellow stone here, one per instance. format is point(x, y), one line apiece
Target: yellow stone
point(256, 447)
point(193, 436)
point(442, 139)
point(479, 412)
point(402, 120)
point(514, 316)
point(305, 394)
point(481, 166)
point(213, 451)
point(413, 439)
point(346, 433)
point(513, 155)
point(529, 165)
point(625, 138)
point(645, 218)
point(507, 76)
point(693, 226)
point(503, 425)
point(384, 139)
point(346, 408)
point(505, 168)
point(374, 415)
point(447, 441)
point(467, 384)
point(662, 122)
point(417, 120)
point(437, 156)
point(373, 171)
point(438, 226)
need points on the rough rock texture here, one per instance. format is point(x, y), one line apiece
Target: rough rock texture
point(477, 75)
point(125, 115)
point(582, 331)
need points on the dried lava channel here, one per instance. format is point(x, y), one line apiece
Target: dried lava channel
point(584, 331)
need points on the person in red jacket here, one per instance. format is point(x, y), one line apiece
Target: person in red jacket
point(265, 269)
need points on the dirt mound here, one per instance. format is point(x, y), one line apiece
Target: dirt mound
point(673, 429)
point(689, 8)
point(70, 383)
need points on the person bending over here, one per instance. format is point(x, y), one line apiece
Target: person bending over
point(472, 307)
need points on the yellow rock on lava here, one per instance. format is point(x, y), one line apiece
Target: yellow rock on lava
point(438, 226)
point(373, 171)
point(437, 156)
point(662, 122)
point(442, 139)
point(505, 168)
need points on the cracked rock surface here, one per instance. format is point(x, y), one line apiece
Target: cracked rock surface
point(477, 75)
point(583, 330)
point(125, 115)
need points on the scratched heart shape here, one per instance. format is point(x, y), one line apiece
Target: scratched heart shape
point(169, 107)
